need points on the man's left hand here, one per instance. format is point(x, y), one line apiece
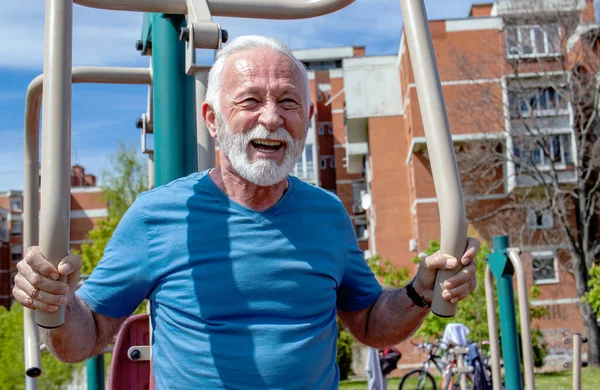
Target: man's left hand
point(458, 286)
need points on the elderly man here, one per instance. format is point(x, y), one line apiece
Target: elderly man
point(244, 266)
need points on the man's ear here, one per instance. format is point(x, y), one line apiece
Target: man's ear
point(210, 119)
point(311, 111)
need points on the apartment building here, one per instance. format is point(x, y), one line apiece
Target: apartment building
point(87, 207)
point(503, 69)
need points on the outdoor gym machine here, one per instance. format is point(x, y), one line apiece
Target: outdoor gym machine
point(174, 38)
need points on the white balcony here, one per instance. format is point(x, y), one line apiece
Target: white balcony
point(357, 144)
point(517, 7)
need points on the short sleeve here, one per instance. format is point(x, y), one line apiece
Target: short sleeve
point(121, 280)
point(359, 288)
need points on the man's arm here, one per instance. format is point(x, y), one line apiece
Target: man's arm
point(83, 334)
point(394, 316)
point(390, 320)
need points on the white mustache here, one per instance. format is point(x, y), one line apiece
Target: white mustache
point(260, 132)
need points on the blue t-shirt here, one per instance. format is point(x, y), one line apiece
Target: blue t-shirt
point(239, 299)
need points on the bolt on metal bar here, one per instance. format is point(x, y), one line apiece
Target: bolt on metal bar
point(453, 221)
point(31, 191)
point(263, 9)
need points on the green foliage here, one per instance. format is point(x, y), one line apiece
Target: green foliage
point(55, 375)
point(390, 275)
point(344, 350)
point(593, 295)
point(121, 186)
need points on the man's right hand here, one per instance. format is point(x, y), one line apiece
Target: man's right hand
point(37, 284)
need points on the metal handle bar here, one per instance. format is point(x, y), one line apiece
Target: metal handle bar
point(453, 221)
point(263, 9)
point(83, 74)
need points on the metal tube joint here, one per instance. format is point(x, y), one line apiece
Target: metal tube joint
point(200, 33)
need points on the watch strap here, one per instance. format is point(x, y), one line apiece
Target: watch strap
point(415, 297)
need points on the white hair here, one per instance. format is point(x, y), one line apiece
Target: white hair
point(242, 43)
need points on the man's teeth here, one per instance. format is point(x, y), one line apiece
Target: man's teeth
point(268, 143)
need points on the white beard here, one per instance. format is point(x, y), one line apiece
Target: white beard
point(262, 172)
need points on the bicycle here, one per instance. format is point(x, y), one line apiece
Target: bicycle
point(476, 370)
point(420, 378)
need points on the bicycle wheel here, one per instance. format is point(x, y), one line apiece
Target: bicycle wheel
point(417, 380)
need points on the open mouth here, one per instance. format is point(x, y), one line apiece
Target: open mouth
point(267, 146)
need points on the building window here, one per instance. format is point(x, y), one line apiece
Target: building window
point(540, 219)
point(332, 162)
point(533, 41)
point(543, 101)
point(544, 267)
point(330, 130)
point(321, 128)
point(305, 166)
point(543, 152)
point(16, 204)
point(323, 162)
point(16, 228)
point(319, 96)
point(16, 257)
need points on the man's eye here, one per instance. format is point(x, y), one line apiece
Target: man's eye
point(249, 102)
point(289, 102)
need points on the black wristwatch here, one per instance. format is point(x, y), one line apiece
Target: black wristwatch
point(415, 297)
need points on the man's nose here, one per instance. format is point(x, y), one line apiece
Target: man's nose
point(270, 116)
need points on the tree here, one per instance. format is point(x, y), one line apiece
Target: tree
point(120, 186)
point(541, 138)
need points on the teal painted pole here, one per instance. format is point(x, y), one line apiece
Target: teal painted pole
point(174, 102)
point(503, 272)
point(95, 372)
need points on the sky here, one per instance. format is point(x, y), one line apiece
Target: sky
point(103, 116)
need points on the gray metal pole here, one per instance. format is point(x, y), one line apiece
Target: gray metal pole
point(56, 144)
point(493, 329)
point(31, 189)
point(206, 144)
point(526, 345)
point(262, 9)
point(576, 361)
point(453, 220)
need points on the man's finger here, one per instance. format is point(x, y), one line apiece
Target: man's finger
point(69, 264)
point(40, 293)
point(461, 277)
point(23, 298)
point(36, 261)
point(459, 293)
point(26, 280)
point(471, 252)
point(440, 261)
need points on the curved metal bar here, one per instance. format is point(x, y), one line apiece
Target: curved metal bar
point(453, 220)
point(515, 259)
point(263, 9)
point(493, 329)
point(33, 102)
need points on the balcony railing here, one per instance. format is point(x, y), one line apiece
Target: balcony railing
point(516, 7)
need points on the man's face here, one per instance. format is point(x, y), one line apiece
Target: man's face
point(264, 115)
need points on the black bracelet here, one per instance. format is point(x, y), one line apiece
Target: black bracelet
point(415, 297)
